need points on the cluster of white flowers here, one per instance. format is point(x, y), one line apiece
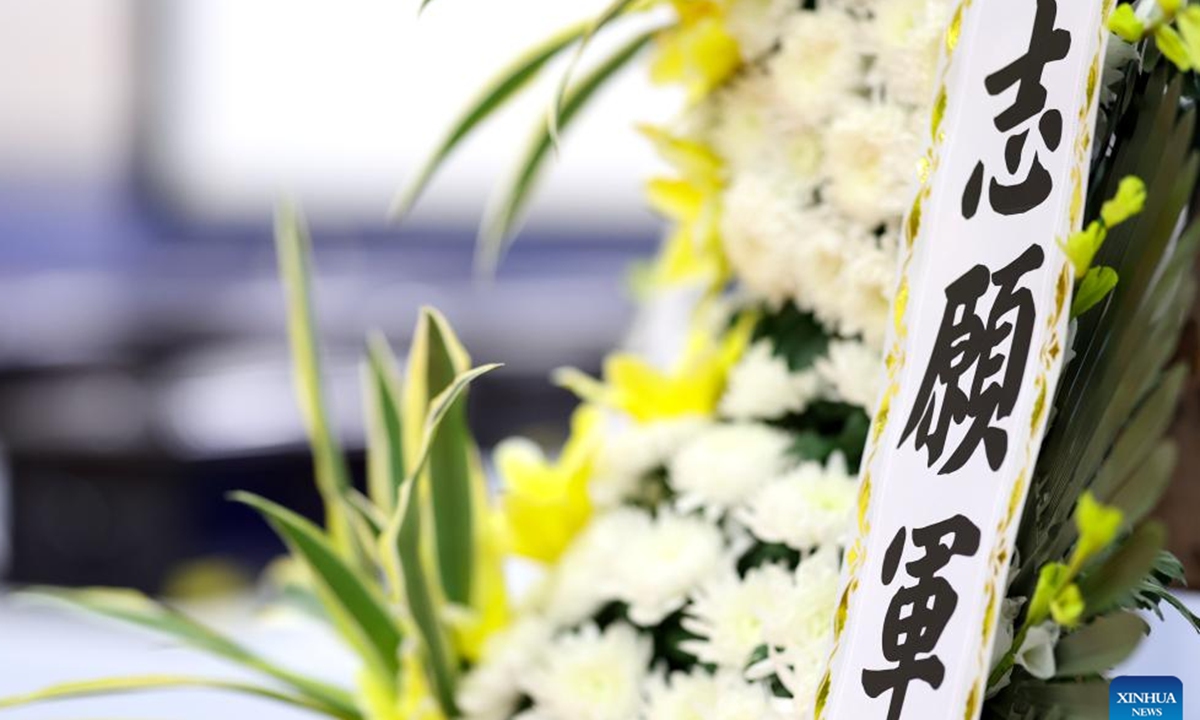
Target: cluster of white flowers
point(705, 584)
point(821, 138)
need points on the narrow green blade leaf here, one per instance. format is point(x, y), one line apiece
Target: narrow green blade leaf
point(143, 683)
point(293, 247)
point(505, 86)
point(509, 206)
point(1100, 646)
point(385, 441)
point(400, 547)
point(135, 608)
point(349, 597)
point(613, 10)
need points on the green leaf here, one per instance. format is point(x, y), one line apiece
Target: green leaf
point(796, 336)
point(436, 358)
point(385, 430)
point(400, 544)
point(1117, 577)
point(1100, 645)
point(505, 86)
point(1085, 700)
point(350, 598)
point(614, 9)
point(142, 683)
point(509, 205)
point(133, 607)
point(294, 250)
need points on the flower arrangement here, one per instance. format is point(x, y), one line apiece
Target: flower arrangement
point(690, 533)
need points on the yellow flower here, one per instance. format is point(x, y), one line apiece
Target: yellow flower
point(1126, 24)
point(1129, 201)
point(645, 393)
point(416, 699)
point(1098, 525)
point(489, 611)
point(545, 503)
point(692, 200)
point(697, 52)
point(1082, 246)
point(1068, 607)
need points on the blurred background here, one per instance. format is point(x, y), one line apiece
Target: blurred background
point(143, 144)
point(144, 371)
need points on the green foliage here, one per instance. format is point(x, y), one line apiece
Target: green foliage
point(133, 607)
point(1099, 646)
point(294, 249)
point(506, 86)
point(509, 205)
point(377, 573)
point(354, 605)
point(1106, 409)
point(796, 336)
point(145, 683)
point(828, 427)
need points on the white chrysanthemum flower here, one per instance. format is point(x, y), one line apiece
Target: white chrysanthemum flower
point(852, 372)
point(805, 617)
point(809, 507)
point(762, 386)
point(819, 65)
point(491, 691)
point(630, 452)
point(759, 232)
point(727, 614)
point(724, 464)
point(871, 156)
point(799, 639)
point(868, 280)
point(755, 24)
point(663, 559)
point(742, 131)
point(703, 696)
point(590, 675)
point(908, 36)
point(821, 258)
point(581, 581)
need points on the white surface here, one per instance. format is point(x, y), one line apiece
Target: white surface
point(339, 101)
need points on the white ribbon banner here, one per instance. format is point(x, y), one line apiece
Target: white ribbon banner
point(981, 316)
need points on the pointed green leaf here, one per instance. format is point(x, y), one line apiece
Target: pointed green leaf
point(1110, 584)
point(350, 598)
point(333, 478)
point(436, 358)
point(509, 206)
point(1100, 645)
point(133, 607)
point(143, 683)
point(505, 86)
